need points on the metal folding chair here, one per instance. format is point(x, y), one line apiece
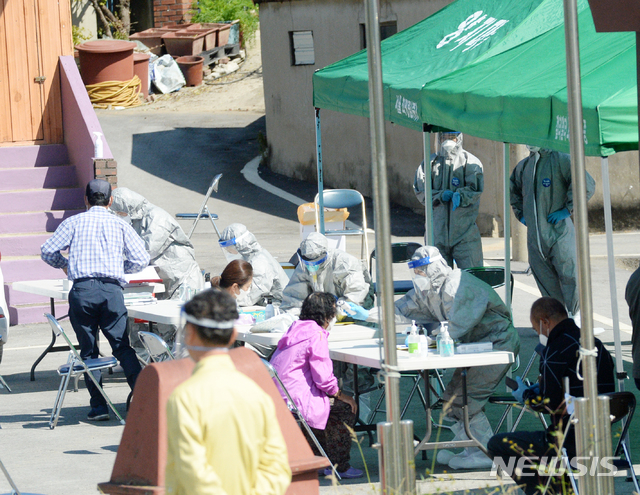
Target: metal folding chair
point(345, 198)
point(14, 488)
point(74, 367)
point(157, 348)
point(401, 252)
point(297, 414)
point(204, 209)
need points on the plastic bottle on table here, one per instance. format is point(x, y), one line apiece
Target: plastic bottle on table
point(444, 325)
point(269, 311)
point(414, 341)
point(446, 344)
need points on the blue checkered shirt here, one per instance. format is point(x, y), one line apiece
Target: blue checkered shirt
point(100, 245)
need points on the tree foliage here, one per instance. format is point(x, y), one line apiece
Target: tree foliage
point(228, 10)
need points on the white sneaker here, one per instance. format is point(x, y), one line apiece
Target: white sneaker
point(444, 456)
point(475, 460)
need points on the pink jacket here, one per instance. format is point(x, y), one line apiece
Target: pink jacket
point(304, 366)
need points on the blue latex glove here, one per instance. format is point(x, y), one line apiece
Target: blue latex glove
point(455, 200)
point(519, 392)
point(556, 216)
point(356, 312)
point(523, 222)
point(446, 195)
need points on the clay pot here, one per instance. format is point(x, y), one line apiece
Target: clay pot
point(141, 69)
point(106, 60)
point(191, 67)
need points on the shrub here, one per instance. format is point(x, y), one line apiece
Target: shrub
point(228, 10)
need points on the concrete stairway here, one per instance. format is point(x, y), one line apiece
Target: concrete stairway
point(38, 189)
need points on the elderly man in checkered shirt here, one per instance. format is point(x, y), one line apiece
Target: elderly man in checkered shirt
point(102, 248)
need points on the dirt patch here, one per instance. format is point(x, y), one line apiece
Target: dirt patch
point(623, 219)
point(240, 91)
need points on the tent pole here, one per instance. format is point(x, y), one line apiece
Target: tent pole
point(428, 207)
point(620, 373)
point(320, 173)
point(594, 445)
point(397, 476)
point(507, 228)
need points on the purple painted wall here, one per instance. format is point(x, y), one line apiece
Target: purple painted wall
point(79, 121)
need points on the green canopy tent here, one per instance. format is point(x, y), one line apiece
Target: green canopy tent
point(504, 81)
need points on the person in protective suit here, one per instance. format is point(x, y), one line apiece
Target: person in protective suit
point(269, 279)
point(322, 269)
point(457, 181)
point(542, 199)
point(475, 313)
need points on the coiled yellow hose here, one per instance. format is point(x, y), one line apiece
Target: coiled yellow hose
point(115, 93)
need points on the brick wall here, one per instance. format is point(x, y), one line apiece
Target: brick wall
point(106, 169)
point(167, 12)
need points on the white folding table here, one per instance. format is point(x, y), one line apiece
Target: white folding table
point(59, 289)
point(369, 353)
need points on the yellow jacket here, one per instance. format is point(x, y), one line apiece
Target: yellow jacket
point(224, 437)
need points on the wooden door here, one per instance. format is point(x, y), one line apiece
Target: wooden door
point(33, 34)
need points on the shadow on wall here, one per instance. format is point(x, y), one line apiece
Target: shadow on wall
point(189, 157)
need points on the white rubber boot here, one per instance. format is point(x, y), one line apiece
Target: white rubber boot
point(473, 457)
point(444, 456)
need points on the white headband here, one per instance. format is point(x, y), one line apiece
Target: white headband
point(205, 322)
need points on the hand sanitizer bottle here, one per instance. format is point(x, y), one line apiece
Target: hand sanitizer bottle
point(446, 344)
point(414, 341)
point(444, 326)
point(269, 311)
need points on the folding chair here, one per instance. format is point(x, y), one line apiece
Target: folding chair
point(297, 414)
point(74, 367)
point(156, 347)
point(401, 252)
point(14, 488)
point(204, 209)
point(344, 198)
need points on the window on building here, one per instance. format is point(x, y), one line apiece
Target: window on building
point(302, 52)
point(386, 29)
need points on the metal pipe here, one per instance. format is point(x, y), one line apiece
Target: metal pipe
point(506, 213)
point(590, 415)
point(320, 173)
point(613, 291)
point(393, 483)
point(428, 201)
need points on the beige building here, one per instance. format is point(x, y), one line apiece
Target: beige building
point(301, 36)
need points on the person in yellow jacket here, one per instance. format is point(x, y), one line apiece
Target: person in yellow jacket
point(223, 434)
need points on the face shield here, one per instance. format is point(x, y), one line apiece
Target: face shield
point(229, 249)
point(450, 142)
point(181, 344)
point(314, 268)
point(421, 281)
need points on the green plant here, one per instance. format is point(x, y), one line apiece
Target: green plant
point(228, 10)
point(80, 35)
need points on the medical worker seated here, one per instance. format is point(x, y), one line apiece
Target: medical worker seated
point(475, 313)
point(323, 269)
point(269, 279)
point(306, 370)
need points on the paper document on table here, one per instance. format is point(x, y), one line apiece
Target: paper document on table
point(148, 275)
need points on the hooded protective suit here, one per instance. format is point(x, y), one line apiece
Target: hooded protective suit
point(541, 186)
point(475, 313)
point(169, 248)
point(455, 232)
point(269, 279)
point(340, 274)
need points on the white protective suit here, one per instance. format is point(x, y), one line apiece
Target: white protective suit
point(475, 313)
point(341, 274)
point(269, 279)
point(540, 186)
point(170, 250)
point(455, 232)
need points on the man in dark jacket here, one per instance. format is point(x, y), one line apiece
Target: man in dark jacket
point(560, 337)
point(632, 295)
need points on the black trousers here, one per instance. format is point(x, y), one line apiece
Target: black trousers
point(98, 304)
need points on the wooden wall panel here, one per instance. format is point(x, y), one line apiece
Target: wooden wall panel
point(49, 23)
point(34, 65)
point(66, 35)
point(5, 105)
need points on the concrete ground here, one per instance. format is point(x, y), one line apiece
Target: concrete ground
point(170, 158)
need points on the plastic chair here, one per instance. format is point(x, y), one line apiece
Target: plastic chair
point(401, 252)
point(492, 275)
point(204, 209)
point(74, 367)
point(288, 268)
point(297, 414)
point(157, 348)
point(345, 198)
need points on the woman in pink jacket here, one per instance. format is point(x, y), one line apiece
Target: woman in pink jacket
point(304, 366)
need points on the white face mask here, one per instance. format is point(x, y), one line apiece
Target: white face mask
point(421, 284)
point(449, 145)
point(533, 149)
point(543, 338)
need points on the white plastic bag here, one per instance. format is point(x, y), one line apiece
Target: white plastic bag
point(166, 74)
